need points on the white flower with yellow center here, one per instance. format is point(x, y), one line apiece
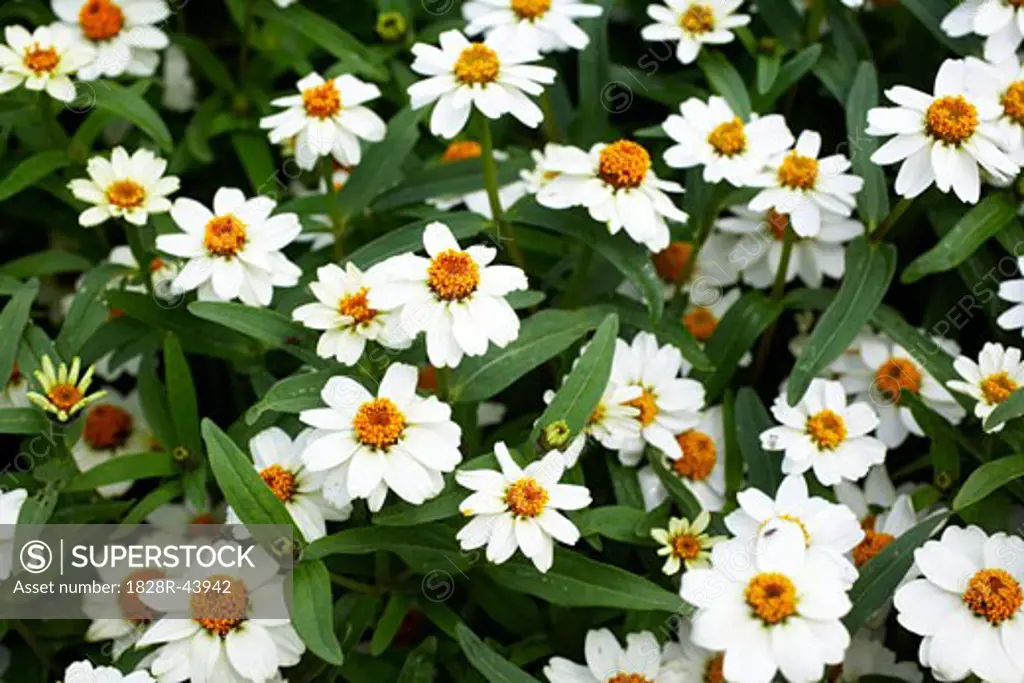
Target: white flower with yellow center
point(999, 21)
point(1002, 81)
point(545, 164)
point(84, 672)
point(126, 34)
point(804, 187)
point(822, 433)
point(777, 609)
point(998, 373)
point(641, 661)
point(494, 76)
point(128, 187)
point(233, 252)
point(968, 605)
point(113, 427)
point(64, 390)
point(711, 135)
point(42, 60)
point(519, 507)
point(327, 117)
point(549, 25)
point(684, 543)
point(369, 444)
point(692, 663)
point(343, 311)
point(701, 469)
point(868, 657)
point(941, 138)
point(456, 297)
point(830, 531)
point(618, 187)
point(694, 23)
point(10, 510)
point(477, 201)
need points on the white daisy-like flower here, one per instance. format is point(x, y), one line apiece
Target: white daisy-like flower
point(691, 663)
point(126, 35)
point(369, 445)
point(694, 23)
point(823, 433)
point(520, 508)
point(179, 86)
point(1012, 291)
point(617, 186)
point(326, 117)
point(941, 138)
point(1002, 81)
point(113, 427)
point(711, 135)
point(883, 528)
point(85, 672)
point(42, 60)
point(233, 252)
point(342, 310)
point(704, 279)
point(777, 609)
point(128, 187)
point(494, 76)
point(477, 201)
point(998, 373)
point(802, 186)
point(544, 166)
point(10, 510)
point(278, 460)
point(684, 543)
point(867, 656)
point(701, 469)
point(642, 660)
point(64, 389)
point(875, 492)
point(549, 25)
point(758, 252)
point(15, 390)
point(669, 404)
point(970, 594)
point(829, 530)
point(456, 297)
point(998, 21)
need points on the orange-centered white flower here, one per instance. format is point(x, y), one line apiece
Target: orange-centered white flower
point(42, 60)
point(128, 187)
point(549, 25)
point(127, 35)
point(998, 373)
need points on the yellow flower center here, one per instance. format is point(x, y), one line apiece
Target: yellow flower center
point(128, 601)
point(453, 275)
point(671, 262)
point(41, 60)
point(713, 669)
point(686, 546)
point(994, 595)
point(951, 119)
point(281, 482)
point(322, 101)
point(356, 307)
point(379, 423)
point(221, 611)
point(225, 236)
point(597, 415)
point(728, 139)
point(896, 375)
point(772, 597)
point(623, 164)
point(526, 498)
point(997, 387)
point(1013, 102)
point(699, 455)
point(798, 172)
point(698, 19)
point(126, 194)
point(477, 65)
point(777, 223)
point(100, 19)
point(826, 429)
point(647, 404)
point(107, 426)
point(874, 542)
point(701, 323)
point(629, 678)
point(64, 396)
point(460, 150)
point(530, 9)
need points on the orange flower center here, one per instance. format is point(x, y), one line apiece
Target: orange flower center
point(826, 429)
point(460, 150)
point(686, 546)
point(997, 387)
point(874, 542)
point(698, 19)
point(477, 65)
point(453, 275)
point(1013, 102)
point(156, 264)
point(64, 396)
point(701, 323)
point(994, 595)
point(647, 404)
point(597, 415)
point(699, 455)
point(356, 307)
point(225, 236)
point(281, 482)
point(126, 194)
point(728, 139)
point(951, 119)
point(777, 223)
point(896, 375)
point(629, 678)
point(671, 262)
point(107, 426)
point(772, 597)
point(798, 172)
point(379, 423)
point(100, 19)
point(713, 669)
point(221, 611)
point(526, 498)
point(624, 164)
point(40, 60)
point(132, 607)
point(530, 9)
point(322, 101)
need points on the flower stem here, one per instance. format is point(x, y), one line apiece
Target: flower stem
point(135, 243)
point(491, 182)
point(778, 286)
point(891, 220)
point(337, 221)
point(815, 15)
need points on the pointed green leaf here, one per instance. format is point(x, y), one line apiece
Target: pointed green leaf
point(22, 421)
point(763, 468)
point(32, 170)
point(312, 611)
point(740, 327)
point(726, 81)
point(292, 394)
point(873, 199)
point(494, 667)
point(409, 237)
point(128, 105)
point(13, 320)
point(125, 468)
point(987, 479)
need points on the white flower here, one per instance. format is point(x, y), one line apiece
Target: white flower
point(519, 508)
point(128, 187)
point(758, 253)
point(701, 469)
point(668, 404)
point(278, 461)
point(10, 510)
point(711, 135)
point(607, 661)
point(494, 76)
point(343, 312)
point(179, 86)
point(685, 543)
point(549, 25)
point(777, 609)
point(998, 373)
point(704, 279)
point(1012, 291)
point(456, 297)
point(694, 24)
point(64, 389)
point(544, 163)
point(804, 187)
point(161, 275)
point(1002, 82)
point(968, 605)
point(368, 445)
point(829, 530)
point(822, 433)
point(869, 657)
point(125, 34)
point(285, 3)
point(691, 663)
point(877, 492)
point(999, 21)
point(477, 201)
point(943, 138)
point(617, 185)
point(233, 252)
point(42, 60)
point(326, 117)
point(84, 672)
point(113, 427)
point(15, 390)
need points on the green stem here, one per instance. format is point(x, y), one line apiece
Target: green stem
point(491, 182)
point(815, 16)
point(243, 54)
point(778, 287)
point(353, 585)
point(443, 384)
point(893, 218)
point(58, 138)
point(135, 243)
point(337, 221)
point(547, 105)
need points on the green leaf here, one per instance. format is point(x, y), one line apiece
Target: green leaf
point(494, 667)
point(1010, 409)
point(257, 160)
point(32, 170)
point(873, 199)
point(670, 330)
point(123, 102)
point(444, 506)
point(153, 396)
point(783, 20)
point(419, 664)
point(726, 81)
point(410, 238)
point(389, 623)
point(740, 327)
point(767, 71)
point(87, 312)
point(931, 13)
point(988, 478)
point(618, 522)
point(125, 468)
point(154, 500)
point(13, 319)
point(763, 468)
point(41, 263)
point(793, 70)
point(181, 396)
point(677, 489)
point(942, 437)
point(869, 270)
point(447, 180)
point(22, 421)
point(292, 394)
point(312, 610)
point(974, 228)
point(209, 64)
point(424, 547)
point(541, 337)
point(266, 325)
